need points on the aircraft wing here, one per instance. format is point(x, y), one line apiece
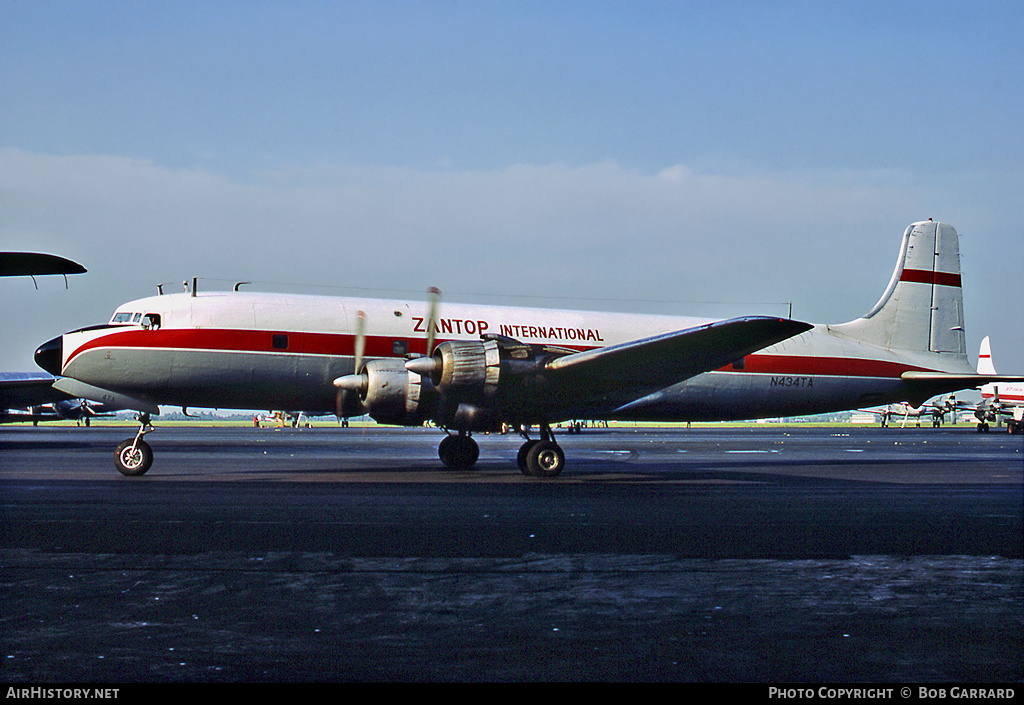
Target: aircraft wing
point(928, 384)
point(110, 399)
point(22, 390)
point(27, 264)
point(639, 367)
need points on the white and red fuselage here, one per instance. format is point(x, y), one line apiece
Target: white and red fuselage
point(272, 351)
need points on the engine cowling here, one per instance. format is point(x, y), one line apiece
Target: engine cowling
point(469, 366)
point(391, 394)
point(483, 383)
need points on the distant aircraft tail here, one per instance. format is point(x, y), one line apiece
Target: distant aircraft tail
point(985, 364)
point(922, 308)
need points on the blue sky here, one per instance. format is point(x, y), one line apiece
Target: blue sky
point(707, 158)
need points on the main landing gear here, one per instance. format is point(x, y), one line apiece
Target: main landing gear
point(458, 452)
point(541, 457)
point(134, 456)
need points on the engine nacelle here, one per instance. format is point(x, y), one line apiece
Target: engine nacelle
point(469, 366)
point(392, 394)
point(484, 383)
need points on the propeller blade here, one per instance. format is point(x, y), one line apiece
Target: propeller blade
point(346, 399)
point(360, 347)
point(433, 301)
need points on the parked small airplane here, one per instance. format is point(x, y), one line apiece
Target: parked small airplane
point(477, 368)
point(998, 399)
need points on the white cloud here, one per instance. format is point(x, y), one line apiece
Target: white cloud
point(384, 226)
point(572, 233)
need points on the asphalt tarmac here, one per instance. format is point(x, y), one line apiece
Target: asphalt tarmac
point(764, 554)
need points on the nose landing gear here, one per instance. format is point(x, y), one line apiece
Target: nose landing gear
point(134, 457)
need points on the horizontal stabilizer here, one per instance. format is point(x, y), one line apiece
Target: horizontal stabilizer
point(113, 400)
point(670, 358)
point(930, 384)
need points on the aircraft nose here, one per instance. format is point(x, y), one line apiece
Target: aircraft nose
point(50, 354)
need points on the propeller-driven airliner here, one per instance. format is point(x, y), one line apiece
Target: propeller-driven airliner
point(30, 389)
point(935, 410)
point(473, 368)
point(998, 399)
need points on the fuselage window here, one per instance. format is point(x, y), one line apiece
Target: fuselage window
point(400, 347)
point(280, 341)
point(740, 364)
point(151, 321)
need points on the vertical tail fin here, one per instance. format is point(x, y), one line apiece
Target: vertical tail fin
point(922, 308)
point(985, 364)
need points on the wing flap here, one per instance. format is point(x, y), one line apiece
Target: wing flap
point(648, 364)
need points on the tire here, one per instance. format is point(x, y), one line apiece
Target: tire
point(524, 450)
point(458, 452)
point(133, 464)
point(545, 459)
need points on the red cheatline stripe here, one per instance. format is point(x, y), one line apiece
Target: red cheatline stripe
point(1003, 397)
point(924, 276)
point(255, 341)
point(376, 346)
point(797, 365)
point(251, 341)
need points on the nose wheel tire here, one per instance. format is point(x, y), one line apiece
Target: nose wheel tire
point(133, 457)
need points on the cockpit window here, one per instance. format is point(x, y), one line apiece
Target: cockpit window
point(125, 318)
